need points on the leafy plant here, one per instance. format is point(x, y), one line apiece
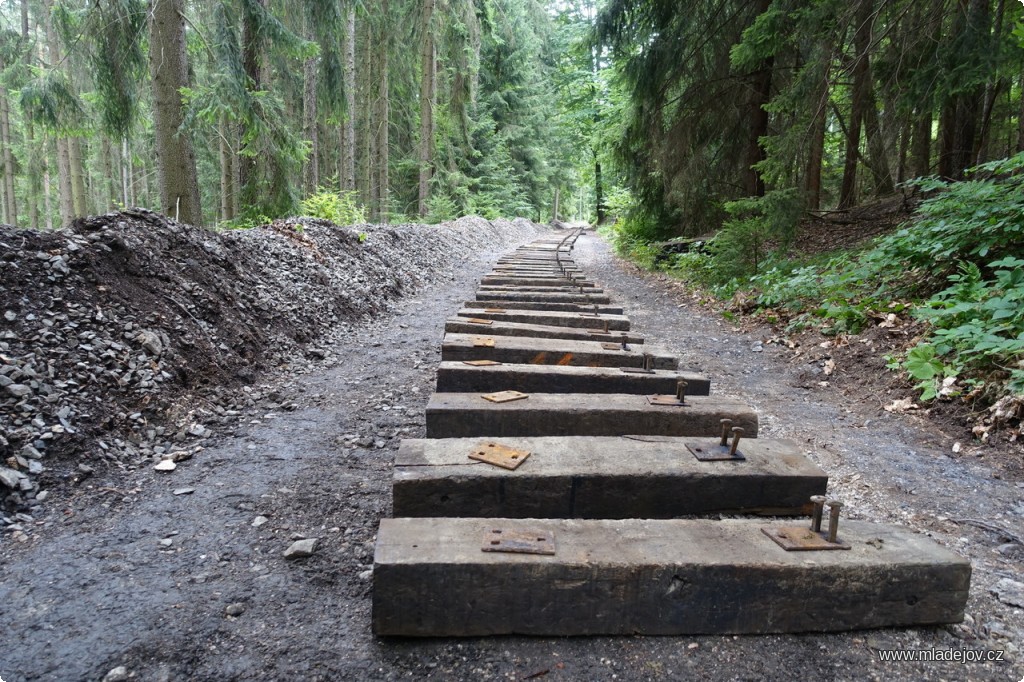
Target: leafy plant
point(923, 365)
point(341, 208)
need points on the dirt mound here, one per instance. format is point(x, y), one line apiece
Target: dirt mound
point(826, 231)
point(111, 332)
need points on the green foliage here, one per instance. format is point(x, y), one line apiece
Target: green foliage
point(111, 34)
point(440, 208)
point(246, 222)
point(341, 208)
point(923, 365)
point(974, 219)
point(960, 263)
point(977, 324)
point(755, 224)
point(49, 99)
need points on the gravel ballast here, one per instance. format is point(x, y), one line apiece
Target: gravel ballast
point(124, 339)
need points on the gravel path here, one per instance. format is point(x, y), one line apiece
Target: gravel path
point(143, 569)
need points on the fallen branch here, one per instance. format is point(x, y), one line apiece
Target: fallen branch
point(991, 527)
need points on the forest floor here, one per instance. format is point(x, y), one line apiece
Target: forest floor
point(180, 575)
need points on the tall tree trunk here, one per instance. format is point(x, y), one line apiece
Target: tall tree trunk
point(24, 19)
point(107, 151)
point(1020, 118)
point(36, 164)
point(7, 158)
point(310, 127)
point(599, 190)
point(428, 98)
point(168, 68)
point(877, 159)
point(760, 95)
point(368, 114)
point(47, 207)
point(227, 171)
point(127, 198)
point(79, 196)
point(904, 145)
point(252, 65)
point(383, 179)
point(347, 172)
point(812, 184)
point(922, 144)
point(992, 87)
point(858, 104)
point(67, 207)
point(66, 193)
point(959, 121)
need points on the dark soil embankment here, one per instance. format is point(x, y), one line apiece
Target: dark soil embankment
point(122, 338)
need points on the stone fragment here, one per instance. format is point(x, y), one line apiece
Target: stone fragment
point(301, 549)
point(19, 390)
point(118, 674)
point(1009, 592)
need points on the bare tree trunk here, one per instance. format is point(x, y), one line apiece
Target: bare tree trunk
point(812, 183)
point(35, 173)
point(960, 112)
point(310, 128)
point(126, 174)
point(368, 115)
point(877, 159)
point(428, 98)
point(992, 87)
point(79, 196)
point(760, 95)
point(1020, 119)
point(252, 64)
point(67, 207)
point(904, 146)
point(227, 172)
point(236, 171)
point(859, 101)
point(24, 19)
point(168, 68)
point(384, 116)
point(47, 207)
point(347, 172)
point(922, 144)
point(107, 152)
point(10, 202)
point(555, 210)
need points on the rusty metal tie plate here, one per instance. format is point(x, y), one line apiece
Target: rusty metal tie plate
point(481, 363)
point(499, 455)
point(611, 346)
point(714, 453)
point(636, 370)
point(598, 332)
point(519, 542)
point(483, 342)
point(590, 315)
point(505, 396)
point(801, 539)
point(477, 320)
point(495, 310)
point(666, 400)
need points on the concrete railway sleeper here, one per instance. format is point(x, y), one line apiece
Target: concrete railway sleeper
point(560, 453)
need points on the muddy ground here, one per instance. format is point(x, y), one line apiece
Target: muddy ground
point(130, 574)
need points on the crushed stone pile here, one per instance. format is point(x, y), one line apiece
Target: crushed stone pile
point(114, 330)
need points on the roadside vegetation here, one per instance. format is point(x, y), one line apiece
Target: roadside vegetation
point(957, 267)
